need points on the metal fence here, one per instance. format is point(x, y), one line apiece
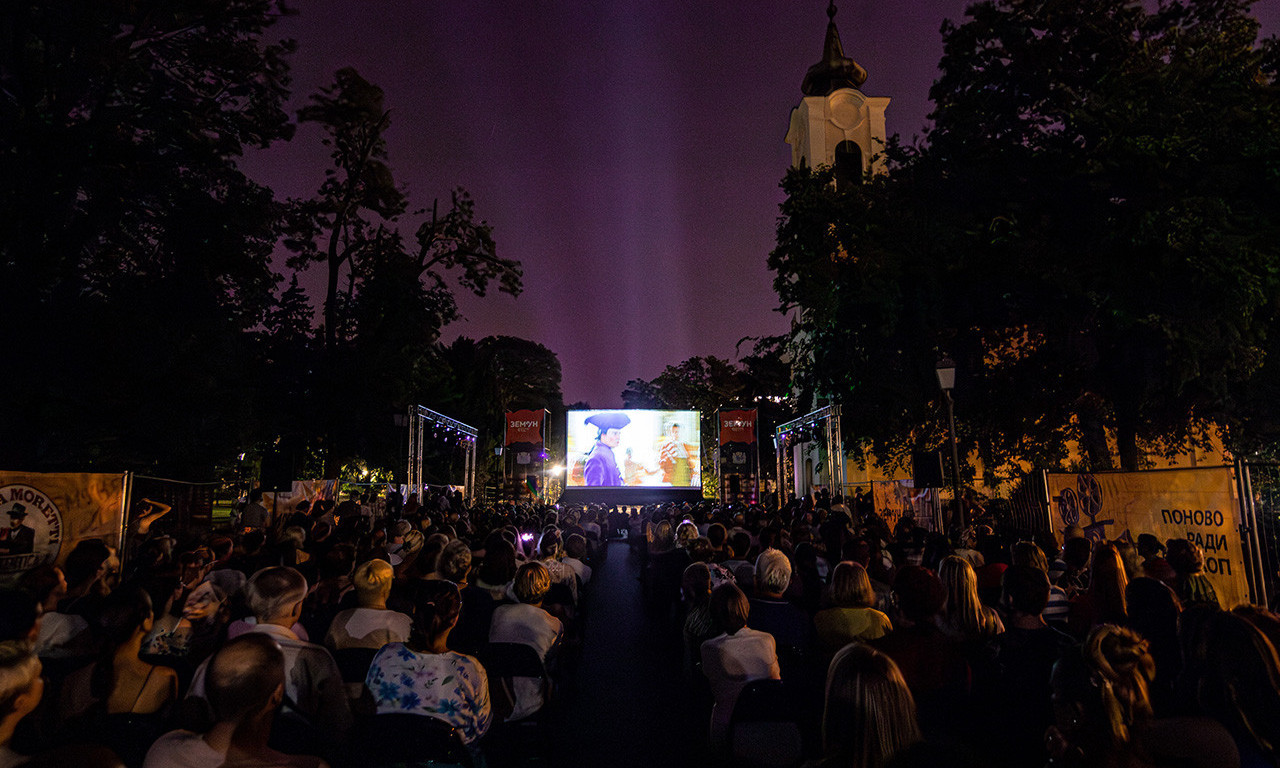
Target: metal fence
point(1259, 487)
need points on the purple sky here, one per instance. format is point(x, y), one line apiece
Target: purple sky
point(628, 154)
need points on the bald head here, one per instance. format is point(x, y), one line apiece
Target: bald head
point(245, 677)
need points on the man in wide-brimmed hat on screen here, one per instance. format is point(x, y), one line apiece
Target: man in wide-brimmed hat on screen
point(601, 468)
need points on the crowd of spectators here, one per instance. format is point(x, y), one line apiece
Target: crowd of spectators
point(1006, 648)
point(353, 635)
point(319, 635)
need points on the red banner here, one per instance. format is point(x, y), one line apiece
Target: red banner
point(525, 427)
point(738, 427)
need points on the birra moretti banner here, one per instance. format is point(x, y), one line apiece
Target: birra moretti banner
point(43, 516)
point(1195, 504)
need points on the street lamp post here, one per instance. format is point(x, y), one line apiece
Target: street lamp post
point(946, 371)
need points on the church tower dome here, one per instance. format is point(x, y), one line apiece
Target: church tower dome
point(836, 123)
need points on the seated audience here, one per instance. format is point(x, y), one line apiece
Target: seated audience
point(20, 690)
point(371, 624)
point(853, 615)
point(788, 623)
point(245, 684)
point(527, 623)
point(127, 700)
point(423, 677)
point(869, 716)
point(964, 618)
point(735, 657)
point(313, 683)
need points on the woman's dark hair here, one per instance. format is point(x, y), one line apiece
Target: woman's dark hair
point(85, 560)
point(499, 566)
point(123, 613)
point(729, 608)
point(436, 605)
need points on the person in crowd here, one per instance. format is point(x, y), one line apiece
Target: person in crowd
point(1239, 686)
point(1153, 612)
point(699, 626)
point(526, 622)
point(370, 624)
point(423, 677)
point(853, 615)
point(21, 688)
point(498, 569)
point(790, 626)
point(127, 700)
point(964, 618)
point(575, 556)
point(1186, 558)
point(932, 663)
point(734, 657)
point(868, 716)
point(1016, 697)
point(1076, 552)
point(86, 569)
point(1103, 714)
point(255, 516)
point(1058, 608)
point(313, 683)
point(454, 563)
point(245, 685)
point(199, 629)
point(1154, 564)
point(1103, 601)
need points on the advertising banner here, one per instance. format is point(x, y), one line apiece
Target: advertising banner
point(44, 516)
point(896, 499)
point(738, 427)
point(525, 427)
point(1195, 504)
point(739, 459)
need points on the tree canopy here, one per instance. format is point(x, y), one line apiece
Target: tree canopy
point(1089, 229)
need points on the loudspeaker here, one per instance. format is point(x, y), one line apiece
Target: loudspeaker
point(926, 469)
point(277, 473)
point(735, 484)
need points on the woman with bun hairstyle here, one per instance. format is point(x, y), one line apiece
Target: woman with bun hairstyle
point(423, 677)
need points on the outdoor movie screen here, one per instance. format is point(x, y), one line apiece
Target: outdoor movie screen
point(634, 449)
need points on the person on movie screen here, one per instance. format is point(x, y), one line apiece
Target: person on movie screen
point(601, 467)
point(18, 538)
point(675, 459)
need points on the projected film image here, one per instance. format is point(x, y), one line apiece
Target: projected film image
point(640, 449)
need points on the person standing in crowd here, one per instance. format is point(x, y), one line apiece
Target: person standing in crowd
point(255, 515)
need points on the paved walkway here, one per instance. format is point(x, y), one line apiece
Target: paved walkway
point(627, 703)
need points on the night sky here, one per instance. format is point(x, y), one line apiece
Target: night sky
point(627, 153)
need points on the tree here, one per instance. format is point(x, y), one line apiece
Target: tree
point(134, 253)
point(397, 297)
point(1088, 231)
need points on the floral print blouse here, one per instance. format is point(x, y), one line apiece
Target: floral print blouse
point(452, 687)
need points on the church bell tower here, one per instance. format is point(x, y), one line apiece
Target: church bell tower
point(835, 123)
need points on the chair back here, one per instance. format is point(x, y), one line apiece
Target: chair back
point(409, 740)
point(354, 663)
point(763, 730)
